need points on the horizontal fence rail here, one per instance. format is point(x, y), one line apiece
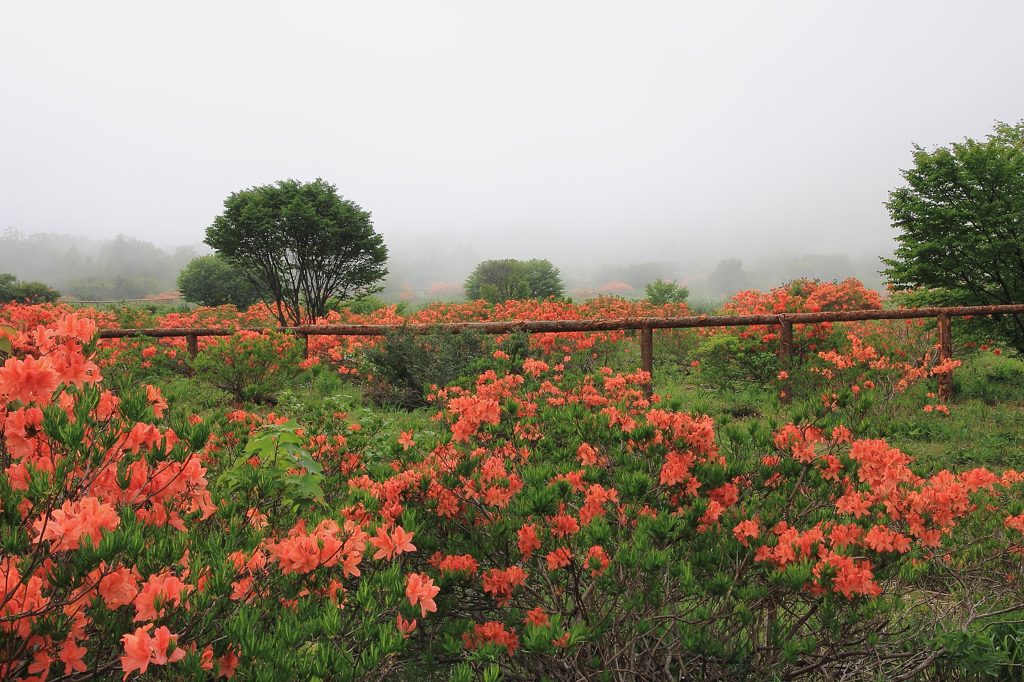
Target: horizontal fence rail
point(645, 325)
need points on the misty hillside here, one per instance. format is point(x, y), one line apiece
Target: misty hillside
point(129, 268)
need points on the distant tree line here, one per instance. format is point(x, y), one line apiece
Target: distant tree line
point(109, 270)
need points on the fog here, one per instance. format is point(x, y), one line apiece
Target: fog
point(596, 135)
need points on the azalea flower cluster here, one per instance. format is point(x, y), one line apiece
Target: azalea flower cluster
point(71, 492)
point(112, 533)
point(865, 362)
point(597, 490)
point(797, 296)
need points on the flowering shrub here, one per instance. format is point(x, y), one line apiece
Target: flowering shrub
point(251, 366)
point(575, 529)
point(856, 367)
point(864, 373)
point(121, 557)
point(404, 365)
point(737, 354)
point(345, 351)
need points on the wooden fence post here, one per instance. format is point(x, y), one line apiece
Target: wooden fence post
point(305, 344)
point(945, 353)
point(647, 357)
point(193, 344)
point(786, 360)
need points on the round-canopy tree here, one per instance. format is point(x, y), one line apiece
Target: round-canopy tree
point(728, 277)
point(961, 218)
point(660, 292)
point(211, 280)
point(299, 244)
point(497, 281)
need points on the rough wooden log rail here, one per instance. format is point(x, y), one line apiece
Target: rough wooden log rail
point(646, 325)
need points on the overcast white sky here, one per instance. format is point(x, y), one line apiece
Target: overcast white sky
point(629, 131)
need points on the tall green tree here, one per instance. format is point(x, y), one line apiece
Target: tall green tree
point(961, 223)
point(211, 280)
point(299, 244)
point(497, 281)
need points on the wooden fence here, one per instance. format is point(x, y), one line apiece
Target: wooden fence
point(646, 326)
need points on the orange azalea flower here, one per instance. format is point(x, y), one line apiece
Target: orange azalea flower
point(492, 632)
point(405, 626)
point(137, 650)
point(563, 525)
point(28, 380)
point(118, 588)
point(68, 524)
point(450, 564)
point(559, 558)
point(587, 455)
point(746, 529)
point(241, 588)
point(534, 367)
point(206, 659)
point(597, 560)
point(162, 639)
point(597, 497)
point(156, 401)
point(300, 554)
point(853, 503)
point(406, 440)
point(71, 655)
point(421, 589)
point(502, 583)
point(390, 547)
point(843, 535)
point(350, 564)
point(727, 495)
point(228, 662)
point(81, 328)
point(537, 617)
point(163, 588)
point(528, 540)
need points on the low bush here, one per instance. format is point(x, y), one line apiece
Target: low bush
point(13, 291)
point(578, 531)
point(251, 366)
point(730, 356)
point(404, 365)
point(135, 549)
